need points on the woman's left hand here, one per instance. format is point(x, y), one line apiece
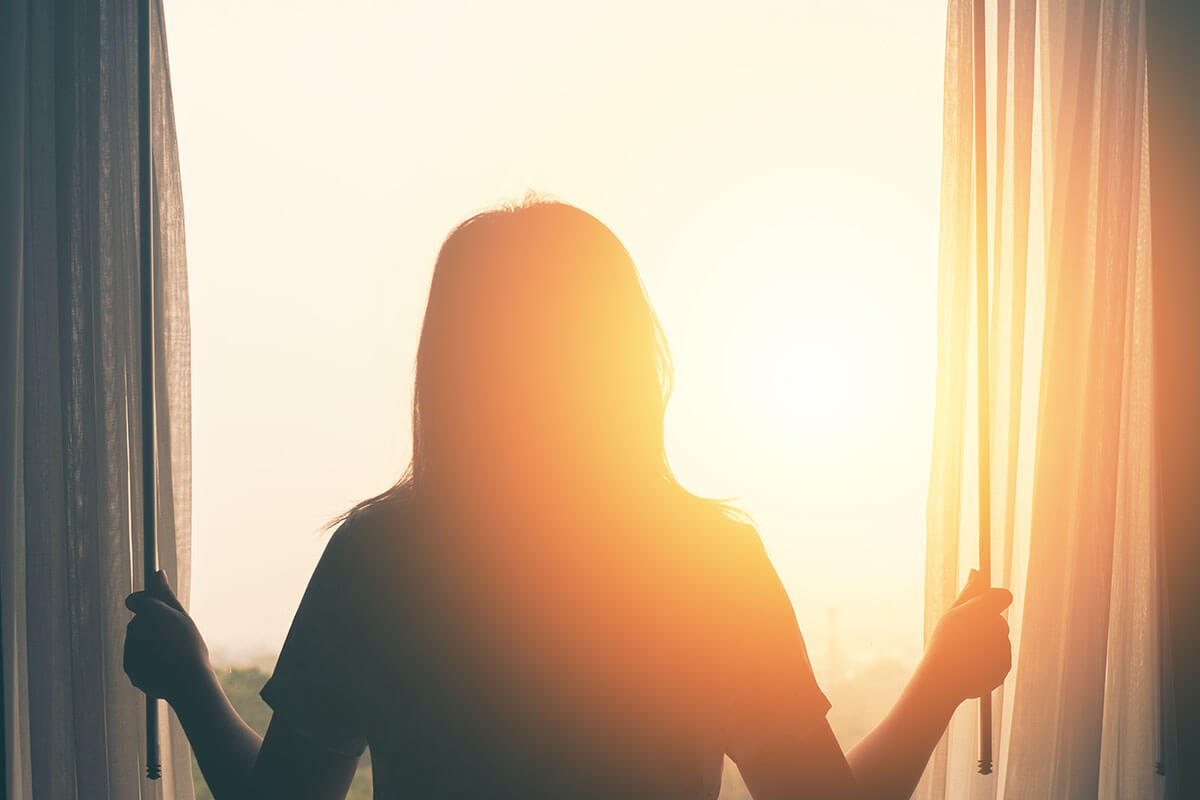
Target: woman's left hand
point(164, 652)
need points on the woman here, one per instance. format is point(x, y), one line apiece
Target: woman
point(538, 609)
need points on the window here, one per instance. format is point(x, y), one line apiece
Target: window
point(787, 238)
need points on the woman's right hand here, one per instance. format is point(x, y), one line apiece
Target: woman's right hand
point(969, 653)
point(165, 654)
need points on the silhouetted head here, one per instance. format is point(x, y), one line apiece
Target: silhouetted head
point(542, 369)
point(542, 376)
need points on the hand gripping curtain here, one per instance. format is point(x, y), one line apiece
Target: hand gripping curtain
point(70, 435)
point(1072, 489)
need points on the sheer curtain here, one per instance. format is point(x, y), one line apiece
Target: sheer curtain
point(70, 488)
point(1073, 513)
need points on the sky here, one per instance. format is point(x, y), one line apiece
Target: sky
point(773, 168)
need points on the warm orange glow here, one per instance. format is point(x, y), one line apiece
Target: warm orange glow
point(786, 237)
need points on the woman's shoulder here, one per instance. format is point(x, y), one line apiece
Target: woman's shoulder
point(715, 534)
point(720, 525)
point(372, 530)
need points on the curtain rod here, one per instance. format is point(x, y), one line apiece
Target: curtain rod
point(148, 420)
point(983, 367)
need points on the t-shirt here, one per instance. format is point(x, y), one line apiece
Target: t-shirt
point(621, 661)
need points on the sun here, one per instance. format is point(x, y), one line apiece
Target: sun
point(772, 346)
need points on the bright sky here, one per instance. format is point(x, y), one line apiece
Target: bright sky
point(773, 167)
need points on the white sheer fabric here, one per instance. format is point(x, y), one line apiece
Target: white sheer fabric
point(1074, 526)
point(70, 488)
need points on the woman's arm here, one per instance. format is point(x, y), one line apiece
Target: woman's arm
point(225, 746)
point(888, 762)
point(165, 656)
point(969, 654)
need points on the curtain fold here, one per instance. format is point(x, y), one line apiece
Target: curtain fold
point(1173, 28)
point(70, 541)
point(1073, 488)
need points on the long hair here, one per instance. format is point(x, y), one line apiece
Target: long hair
point(541, 365)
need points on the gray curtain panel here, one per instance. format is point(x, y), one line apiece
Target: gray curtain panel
point(70, 439)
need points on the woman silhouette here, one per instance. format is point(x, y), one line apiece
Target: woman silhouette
point(538, 609)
